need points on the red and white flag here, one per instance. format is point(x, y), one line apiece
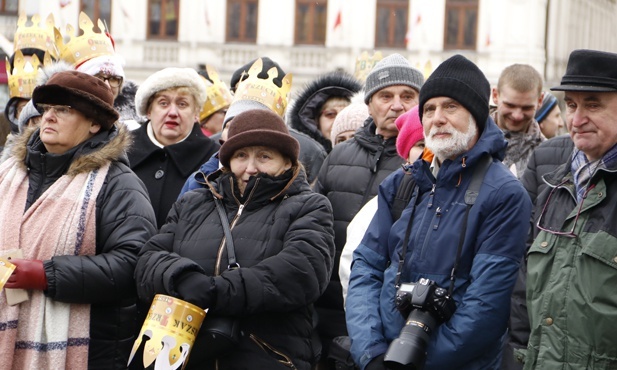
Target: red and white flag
point(338, 20)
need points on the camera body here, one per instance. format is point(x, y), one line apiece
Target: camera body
point(425, 295)
point(426, 306)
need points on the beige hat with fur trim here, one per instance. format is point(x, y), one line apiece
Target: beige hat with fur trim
point(166, 79)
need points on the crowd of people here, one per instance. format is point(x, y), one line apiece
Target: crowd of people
point(381, 219)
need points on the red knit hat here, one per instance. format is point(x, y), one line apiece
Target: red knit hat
point(410, 131)
point(259, 127)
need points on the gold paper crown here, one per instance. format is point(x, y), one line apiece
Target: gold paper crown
point(23, 78)
point(35, 36)
point(86, 46)
point(218, 94)
point(365, 63)
point(265, 91)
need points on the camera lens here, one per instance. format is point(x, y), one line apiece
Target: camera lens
point(408, 351)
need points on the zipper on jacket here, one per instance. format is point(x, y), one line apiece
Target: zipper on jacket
point(280, 356)
point(219, 255)
point(43, 177)
point(431, 196)
point(437, 218)
point(378, 156)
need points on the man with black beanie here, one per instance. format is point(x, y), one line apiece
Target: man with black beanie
point(442, 239)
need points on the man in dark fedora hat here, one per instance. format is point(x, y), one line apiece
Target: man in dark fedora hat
point(572, 263)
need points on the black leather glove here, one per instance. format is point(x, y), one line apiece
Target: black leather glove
point(376, 363)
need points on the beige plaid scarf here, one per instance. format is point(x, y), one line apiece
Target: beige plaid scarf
point(42, 333)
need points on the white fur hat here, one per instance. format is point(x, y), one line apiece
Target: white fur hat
point(166, 79)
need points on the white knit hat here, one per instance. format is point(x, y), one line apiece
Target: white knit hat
point(166, 79)
point(351, 117)
point(108, 64)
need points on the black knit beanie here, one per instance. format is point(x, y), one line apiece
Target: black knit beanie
point(259, 127)
point(460, 79)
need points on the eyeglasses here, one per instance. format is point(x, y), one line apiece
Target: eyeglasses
point(114, 81)
point(567, 234)
point(60, 111)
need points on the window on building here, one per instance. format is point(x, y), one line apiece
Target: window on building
point(163, 19)
point(311, 22)
point(9, 6)
point(461, 24)
point(97, 9)
point(242, 20)
point(392, 22)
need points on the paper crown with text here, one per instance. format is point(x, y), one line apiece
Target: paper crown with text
point(88, 45)
point(37, 36)
point(23, 79)
point(365, 63)
point(218, 94)
point(265, 91)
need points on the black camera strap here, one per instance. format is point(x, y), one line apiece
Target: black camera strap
point(229, 241)
point(471, 194)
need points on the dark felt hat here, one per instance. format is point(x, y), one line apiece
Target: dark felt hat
point(259, 127)
point(590, 70)
point(87, 94)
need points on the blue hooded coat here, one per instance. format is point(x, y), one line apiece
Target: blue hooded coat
point(492, 249)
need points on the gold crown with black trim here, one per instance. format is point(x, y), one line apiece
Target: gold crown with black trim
point(365, 63)
point(265, 91)
point(37, 36)
point(90, 44)
point(218, 94)
point(23, 79)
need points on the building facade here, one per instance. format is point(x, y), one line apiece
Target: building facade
point(308, 38)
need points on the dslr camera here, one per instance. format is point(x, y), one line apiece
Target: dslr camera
point(425, 305)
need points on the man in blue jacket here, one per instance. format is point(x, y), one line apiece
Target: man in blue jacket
point(454, 109)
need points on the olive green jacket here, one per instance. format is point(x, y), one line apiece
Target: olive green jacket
point(572, 281)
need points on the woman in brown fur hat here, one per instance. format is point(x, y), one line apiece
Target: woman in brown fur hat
point(72, 218)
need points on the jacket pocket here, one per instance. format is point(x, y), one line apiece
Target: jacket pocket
point(277, 355)
point(602, 250)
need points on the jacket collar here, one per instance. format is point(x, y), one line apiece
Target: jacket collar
point(104, 147)
point(186, 155)
point(491, 141)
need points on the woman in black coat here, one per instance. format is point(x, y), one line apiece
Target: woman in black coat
point(77, 216)
point(284, 245)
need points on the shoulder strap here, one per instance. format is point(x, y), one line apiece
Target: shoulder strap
point(229, 241)
point(471, 194)
point(478, 177)
point(402, 197)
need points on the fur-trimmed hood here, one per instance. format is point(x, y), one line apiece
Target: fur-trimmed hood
point(125, 103)
point(314, 95)
point(104, 147)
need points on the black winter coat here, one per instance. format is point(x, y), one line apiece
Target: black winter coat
point(164, 170)
point(545, 159)
point(350, 177)
point(284, 244)
point(124, 222)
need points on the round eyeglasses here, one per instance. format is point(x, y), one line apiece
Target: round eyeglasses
point(114, 81)
point(61, 111)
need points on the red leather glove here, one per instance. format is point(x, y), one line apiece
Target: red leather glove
point(28, 274)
